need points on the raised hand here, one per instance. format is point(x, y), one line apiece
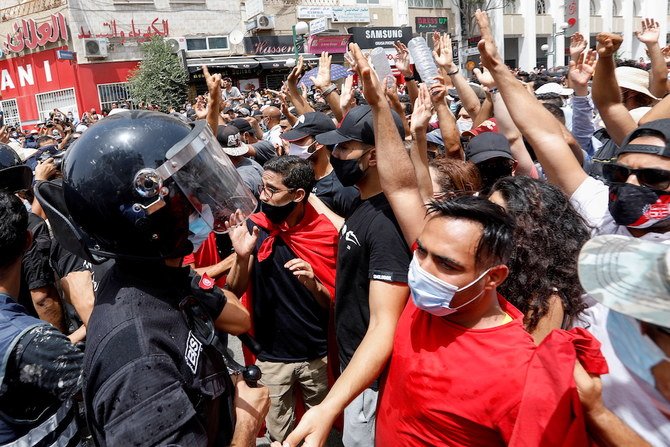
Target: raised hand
point(581, 71)
point(649, 33)
point(485, 78)
point(347, 98)
point(323, 80)
point(423, 110)
point(373, 90)
point(213, 82)
point(402, 59)
point(608, 44)
point(488, 50)
point(294, 76)
point(577, 46)
point(438, 91)
point(243, 241)
point(442, 52)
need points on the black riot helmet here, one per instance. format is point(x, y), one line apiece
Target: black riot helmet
point(140, 184)
point(14, 174)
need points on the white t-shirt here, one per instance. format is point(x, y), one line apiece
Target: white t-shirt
point(624, 393)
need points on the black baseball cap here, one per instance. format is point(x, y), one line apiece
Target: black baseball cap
point(242, 125)
point(486, 146)
point(357, 125)
point(309, 124)
point(661, 128)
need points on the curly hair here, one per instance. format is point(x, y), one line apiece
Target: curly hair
point(548, 236)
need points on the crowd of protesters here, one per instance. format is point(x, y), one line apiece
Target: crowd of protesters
point(460, 261)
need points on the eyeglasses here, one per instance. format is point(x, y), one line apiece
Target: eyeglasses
point(653, 178)
point(270, 191)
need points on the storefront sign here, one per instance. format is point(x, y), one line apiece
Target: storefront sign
point(262, 45)
point(317, 26)
point(384, 37)
point(112, 29)
point(430, 24)
point(331, 44)
point(28, 34)
point(340, 14)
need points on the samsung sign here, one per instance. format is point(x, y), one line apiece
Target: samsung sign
point(385, 37)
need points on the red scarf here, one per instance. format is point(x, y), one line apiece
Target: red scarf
point(550, 380)
point(314, 240)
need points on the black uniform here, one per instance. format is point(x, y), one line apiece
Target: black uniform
point(147, 378)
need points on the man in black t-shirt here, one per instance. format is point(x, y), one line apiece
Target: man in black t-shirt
point(371, 287)
point(288, 259)
point(302, 138)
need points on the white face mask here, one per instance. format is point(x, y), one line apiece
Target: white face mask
point(433, 295)
point(463, 124)
point(301, 151)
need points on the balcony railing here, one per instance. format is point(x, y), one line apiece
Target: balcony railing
point(29, 7)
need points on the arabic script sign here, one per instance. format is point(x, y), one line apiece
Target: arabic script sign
point(29, 34)
point(132, 32)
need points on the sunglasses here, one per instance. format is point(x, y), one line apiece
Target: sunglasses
point(653, 178)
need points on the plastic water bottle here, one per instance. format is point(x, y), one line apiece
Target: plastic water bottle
point(423, 60)
point(381, 64)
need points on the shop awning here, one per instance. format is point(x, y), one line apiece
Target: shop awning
point(265, 62)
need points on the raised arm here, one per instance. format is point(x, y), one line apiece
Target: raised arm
point(445, 60)
point(403, 65)
point(323, 83)
point(579, 74)
point(419, 153)
point(659, 72)
point(446, 120)
point(539, 126)
point(301, 106)
point(605, 90)
point(396, 173)
point(394, 101)
point(214, 101)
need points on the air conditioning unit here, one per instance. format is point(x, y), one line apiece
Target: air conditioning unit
point(94, 48)
point(265, 22)
point(176, 44)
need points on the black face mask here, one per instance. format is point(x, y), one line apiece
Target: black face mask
point(637, 206)
point(277, 214)
point(347, 171)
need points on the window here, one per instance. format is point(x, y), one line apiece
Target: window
point(511, 7)
point(616, 8)
point(112, 93)
point(64, 100)
point(206, 43)
point(594, 8)
point(10, 112)
point(636, 8)
point(368, 2)
point(426, 3)
point(540, 7)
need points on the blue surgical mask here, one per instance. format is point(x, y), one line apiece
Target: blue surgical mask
point(199, 226)
point(434, 295)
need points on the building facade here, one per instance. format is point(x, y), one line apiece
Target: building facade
point(77, 54)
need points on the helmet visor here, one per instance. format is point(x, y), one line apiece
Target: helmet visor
point(207, 177)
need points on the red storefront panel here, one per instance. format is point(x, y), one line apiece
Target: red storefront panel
point(22, 77)
point(91, 75)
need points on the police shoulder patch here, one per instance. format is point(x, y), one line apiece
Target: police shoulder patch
point(193, 350)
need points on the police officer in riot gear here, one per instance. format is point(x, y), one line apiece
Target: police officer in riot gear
point(141, 187)
point(40, 369)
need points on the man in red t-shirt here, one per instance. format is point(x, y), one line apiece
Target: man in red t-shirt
point(461, 355)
